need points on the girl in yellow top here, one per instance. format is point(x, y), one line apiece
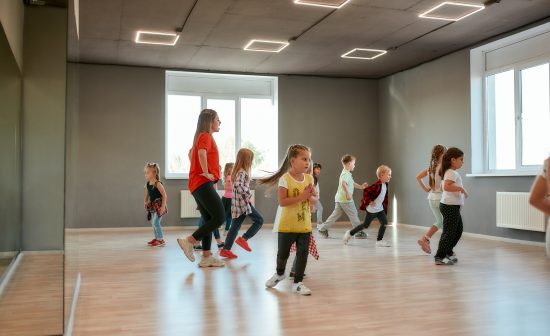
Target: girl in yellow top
point(295, 194)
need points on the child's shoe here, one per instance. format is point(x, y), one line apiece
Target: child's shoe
point(158, 243)
point(453, 258)
point(211, 261)
point(221, 245)
point(347, 237)
point(274, 280)
point(361, 235)
point(300, 288)
point(187, 248)
point(444, 262)
point(228, 254)
point(243, 243)
point(382, 243)
point(152, 241)
point(425, 244)
point(323, 233)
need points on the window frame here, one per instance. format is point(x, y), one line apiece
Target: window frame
point(273, 96)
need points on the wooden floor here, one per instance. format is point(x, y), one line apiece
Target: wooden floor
point(32, 301)
point(130, 289)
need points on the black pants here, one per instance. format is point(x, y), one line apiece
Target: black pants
point(452, 230)
point(285, 241)
point(211, 209)
point(368, 219)
point(227, 206)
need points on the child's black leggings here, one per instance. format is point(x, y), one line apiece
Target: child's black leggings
point(452, 230)
point(368, 219)
point(285, 241)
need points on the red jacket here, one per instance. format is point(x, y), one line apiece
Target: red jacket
point(371, 192)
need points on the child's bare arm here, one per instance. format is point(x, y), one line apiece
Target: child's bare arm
point(539, 195)
point(450, 186)
point(420, 179)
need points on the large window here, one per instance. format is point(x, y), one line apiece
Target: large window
point(518, 117)
point(246, 105)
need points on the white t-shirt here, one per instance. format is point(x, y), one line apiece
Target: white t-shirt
point(435, 193)
point(378, 202)
point(318, 191)
point(452, 198)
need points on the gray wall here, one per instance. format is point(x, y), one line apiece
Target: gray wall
point(424, 106)
point(116, 124)
point(11, 18)
point(44, 81)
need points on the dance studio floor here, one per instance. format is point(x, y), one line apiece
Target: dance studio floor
point(129, 289)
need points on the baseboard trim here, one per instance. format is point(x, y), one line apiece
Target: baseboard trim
point(46, 252)
point(72, 312)
point(482, 236)
point(9, 272)
point(9, 254)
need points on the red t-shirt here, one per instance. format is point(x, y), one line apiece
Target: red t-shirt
point(204, 141)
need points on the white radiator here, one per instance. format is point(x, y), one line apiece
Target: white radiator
point(189, 206)
point(515, 212)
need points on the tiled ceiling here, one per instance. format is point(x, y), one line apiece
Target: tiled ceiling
point(217, 30)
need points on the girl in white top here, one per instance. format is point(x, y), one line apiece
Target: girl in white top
point(539, 198)
point(434, 194)
point(452, 200)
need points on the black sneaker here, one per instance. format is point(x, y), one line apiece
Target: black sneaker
point(221, 245)
point(361, 235)
point(453, 258)
point(444, 262)
point(323, 233)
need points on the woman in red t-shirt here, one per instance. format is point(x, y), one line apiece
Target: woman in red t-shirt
point(203, 174)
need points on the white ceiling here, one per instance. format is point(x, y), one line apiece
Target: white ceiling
point(217, 31)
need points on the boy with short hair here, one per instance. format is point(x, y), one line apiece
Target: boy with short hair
point(344, 199)
point(375, 202)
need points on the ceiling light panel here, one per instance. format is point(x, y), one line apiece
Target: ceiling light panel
point(266, 46)
point(361, 53)
point(323, 3)
point(451, 11)
point(149, 37)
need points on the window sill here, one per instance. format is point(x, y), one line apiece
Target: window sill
point(505, 174)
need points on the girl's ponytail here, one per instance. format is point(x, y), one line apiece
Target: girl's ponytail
point(291, 152)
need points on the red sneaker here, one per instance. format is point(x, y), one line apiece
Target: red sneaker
point(243, 243)
point(151, 242)
point(158, 243)
point(228, 254)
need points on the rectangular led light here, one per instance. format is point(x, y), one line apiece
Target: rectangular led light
point(149, 37)
point(451, 11)
point(361, 53)
point(323, 3)
point(266, 46)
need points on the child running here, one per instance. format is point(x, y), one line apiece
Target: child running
point(344, 199)
point(295, 194)
point(434, 194)
point(241, 205)
point(228, 194)
point(375, 202)
point(452, 200)
point(155, 202)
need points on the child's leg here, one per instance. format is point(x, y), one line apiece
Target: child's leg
point(257, 222)
point(302, 247)
point(458, 233)
point(351, 212)
point(451, 215)
point(383, 222)
point(217, 234)
point(319, 207)
point(334, 216)
point(233, 231)
point(284, 243)
point(227, 206)
point(366, 224)
point(157, 229)
point(438, 225)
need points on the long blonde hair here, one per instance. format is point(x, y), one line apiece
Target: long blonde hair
point(204, 123)
point(291, 152)
point(243, 162)
point(228, 169)
point(437, 152)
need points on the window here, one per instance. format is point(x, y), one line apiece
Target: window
point(518, 118)
point(246, 105)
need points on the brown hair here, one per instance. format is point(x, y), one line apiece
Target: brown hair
point(315, 177)
point(437, 152)
point(347, 158)
point(291, 152)
point(154, 166)
point(452, 153)
point(228, 169)
point(243, 162)
point(206, 117)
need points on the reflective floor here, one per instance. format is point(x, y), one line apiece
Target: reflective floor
point(130, 289)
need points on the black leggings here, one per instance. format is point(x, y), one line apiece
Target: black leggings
point(368, 219)
point(227, 206)
point(285, 241)
point(211, 209)
point(452, 230)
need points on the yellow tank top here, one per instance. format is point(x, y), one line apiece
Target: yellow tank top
point(297, 217)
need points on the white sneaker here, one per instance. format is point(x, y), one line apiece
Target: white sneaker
point(347, 237)
point(382, 243)
point(211, 261)
point(274, 280)
point(187, 248)
point(300, 288)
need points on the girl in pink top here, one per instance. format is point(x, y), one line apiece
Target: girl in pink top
point(228, 194)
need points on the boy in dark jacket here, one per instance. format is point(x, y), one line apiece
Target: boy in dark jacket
point(375, 202)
